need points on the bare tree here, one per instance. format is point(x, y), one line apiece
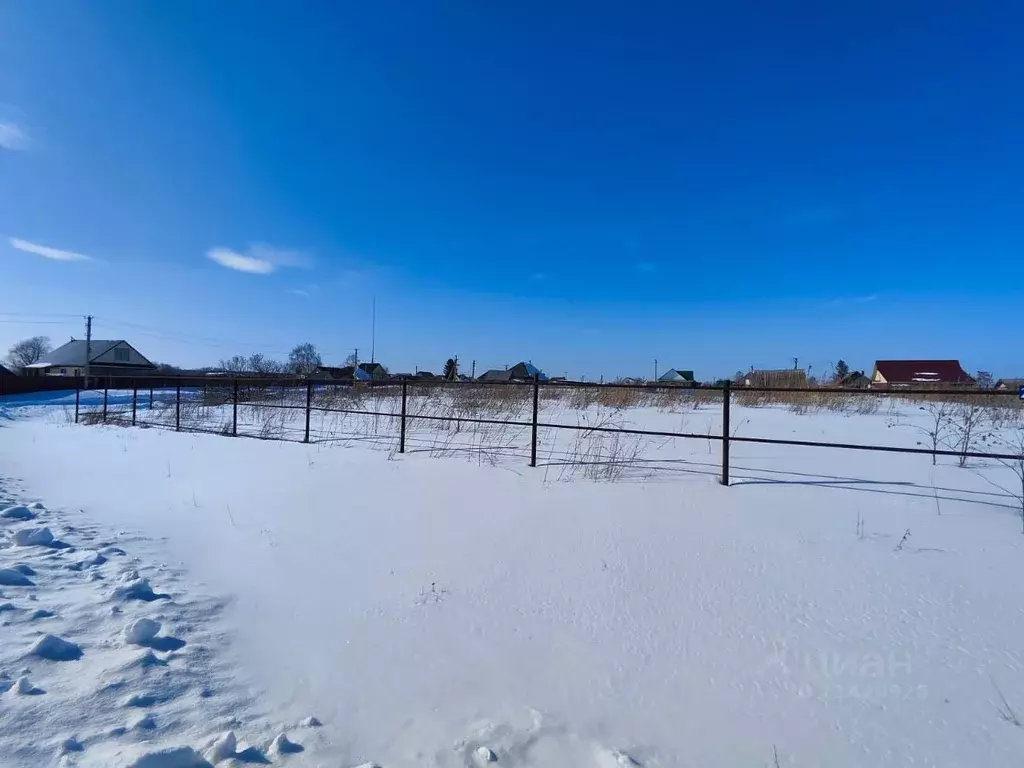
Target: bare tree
point(235, 364)
point(28, 351)
point(263, 365)
point(304, 359)
point(938, 427)
point(256, 363)
point(967, 424)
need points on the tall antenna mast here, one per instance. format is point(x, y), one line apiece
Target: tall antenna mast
point(373, 332)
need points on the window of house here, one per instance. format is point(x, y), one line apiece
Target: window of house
point(63, 371)
point(121, 355)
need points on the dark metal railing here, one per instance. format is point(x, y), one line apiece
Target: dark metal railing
point(223, 390)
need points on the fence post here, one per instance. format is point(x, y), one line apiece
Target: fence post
point(104, 405)
point(135, 401)
point(401, 439)
point(78, 393)
point(177, 409)
point(309, 405)
point(533, 439)
point(234, 411)
point(725, 434)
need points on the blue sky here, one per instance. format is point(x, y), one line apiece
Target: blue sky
point(586, 185)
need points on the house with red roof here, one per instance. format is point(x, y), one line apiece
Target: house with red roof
point(920, 373)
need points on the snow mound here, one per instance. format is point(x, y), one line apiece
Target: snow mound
point(17, 513)
point(90, 558)
point(173, 757)
point(71, 745)
point(141, 631)
point(282, 746)
point(613, 758)
point(145, 723)
point(23, 687)
point(33, 537)
point(36, 505)
point(310, 722)
point(41, 613)
point(223, 747)
point(12, 578)
point(484, 755)
point(148, 659)
point(141, 700)
point(24, 569)
point(4, 607)
point(55, 649)
point(139, 589)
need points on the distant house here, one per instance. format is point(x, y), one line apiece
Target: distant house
point(5, 371)
point(677, 376)
point(794, 378)
point(344, 373)
point(106, 358)
point(518, 372)
point(426, 376)
point(375, 371)
point(854, 380)
point(526, 372)
point(495, 375)
point(1012, 385)
point(920, 373)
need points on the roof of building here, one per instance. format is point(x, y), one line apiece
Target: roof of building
point(5, 371)
point(495, 374)
point(73, 353)
point(1010, 383)
point(676, 374)
point(371, 367)
point(922, 371)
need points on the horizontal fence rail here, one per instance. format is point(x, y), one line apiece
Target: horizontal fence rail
point(286, 394)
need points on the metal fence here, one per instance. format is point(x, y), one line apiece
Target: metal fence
point(305, 396)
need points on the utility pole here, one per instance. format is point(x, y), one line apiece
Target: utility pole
point(373, 333)
point(473, 374)
point(88, 347)
point(655, 369)
point(796, 363)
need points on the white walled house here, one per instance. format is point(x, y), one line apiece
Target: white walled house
point(106, 358)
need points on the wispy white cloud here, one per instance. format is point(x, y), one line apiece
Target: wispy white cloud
point(852, 300)
point(299, 292)
point(47, 252)
point(12, 136)
point(258, 259)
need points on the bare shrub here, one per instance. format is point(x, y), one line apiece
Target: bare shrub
point(938, 427)
point(967, 421)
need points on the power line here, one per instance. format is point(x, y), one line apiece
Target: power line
point(40, 314)
point(40, 322)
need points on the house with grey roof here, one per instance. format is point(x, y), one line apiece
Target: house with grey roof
point(677, 376)
point(106, 358)
point(523, 371)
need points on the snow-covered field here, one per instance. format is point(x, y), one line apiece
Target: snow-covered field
point(454, 607)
